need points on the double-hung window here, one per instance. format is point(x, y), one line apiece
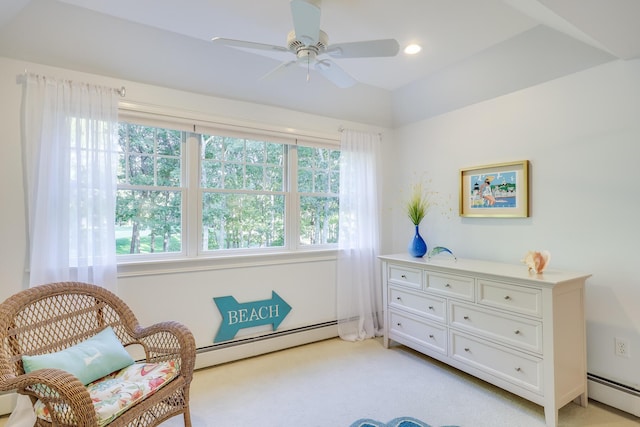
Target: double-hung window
point(209, 191)
point(318, 186)
point(244, 191)
point(150, 199)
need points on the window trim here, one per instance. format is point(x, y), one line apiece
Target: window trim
point(162, 266)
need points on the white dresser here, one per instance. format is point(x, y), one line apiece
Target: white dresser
point(522, 332)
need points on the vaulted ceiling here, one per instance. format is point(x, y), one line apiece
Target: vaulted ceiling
point(472, 49)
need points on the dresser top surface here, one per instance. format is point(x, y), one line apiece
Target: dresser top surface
point(449, 264)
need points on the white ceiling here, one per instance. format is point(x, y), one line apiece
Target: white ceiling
point(472, 49)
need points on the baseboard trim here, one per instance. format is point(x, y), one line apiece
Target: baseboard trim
point(236, 350)
point(616, 395)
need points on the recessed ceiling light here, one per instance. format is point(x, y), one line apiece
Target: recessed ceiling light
point(412, 49)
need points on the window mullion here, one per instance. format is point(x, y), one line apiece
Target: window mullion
point(193, 200)
point(292, 202)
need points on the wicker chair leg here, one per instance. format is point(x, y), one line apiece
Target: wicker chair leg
point(187, 417)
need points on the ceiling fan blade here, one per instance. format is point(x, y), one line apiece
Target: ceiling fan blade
point(371, 48)
point(278, 69)
point(248, 45)
point(306, 21)
point(334, 74)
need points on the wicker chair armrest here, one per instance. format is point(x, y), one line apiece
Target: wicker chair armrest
point(57, 389)
point(169, 340)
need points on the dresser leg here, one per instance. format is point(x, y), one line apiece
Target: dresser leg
point(551, 416)
point(582, 400)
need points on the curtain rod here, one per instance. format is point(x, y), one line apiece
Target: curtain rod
point(342, 129)
point(20, 78)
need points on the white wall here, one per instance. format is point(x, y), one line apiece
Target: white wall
point(581, 134)
point(180, 291)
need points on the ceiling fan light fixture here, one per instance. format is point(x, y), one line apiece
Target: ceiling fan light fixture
point(295, 45)
point(412, 49)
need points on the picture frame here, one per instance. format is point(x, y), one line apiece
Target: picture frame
point(505, 187)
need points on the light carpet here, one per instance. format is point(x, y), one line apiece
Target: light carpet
point(333, 383)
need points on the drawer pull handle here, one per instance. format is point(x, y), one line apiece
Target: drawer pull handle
point(398, 298)
point(399, 324)
point(447, 285)
point(430, 307)
point(518, 369)
point(466, 317)
point(467, 349)
point(517, 332)
point(404, 276)
point(431, 336)
point(507, 297)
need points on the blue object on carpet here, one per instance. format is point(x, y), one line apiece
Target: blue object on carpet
point(396, 422)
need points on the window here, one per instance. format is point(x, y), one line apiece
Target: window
point(150, 193)
point(243, 193)
point(187, 194)
point(318, 188)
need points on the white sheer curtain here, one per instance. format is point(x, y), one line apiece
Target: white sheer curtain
point(358, 283)
point(70, 143)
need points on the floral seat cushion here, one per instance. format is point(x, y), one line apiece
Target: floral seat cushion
point(115, 393)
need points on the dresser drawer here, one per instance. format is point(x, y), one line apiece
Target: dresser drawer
point(519, 299)
point(520, 332)
point(451, 285)
point(405, 276)
point(419, 303)
point(510, 365)
point(426, 334)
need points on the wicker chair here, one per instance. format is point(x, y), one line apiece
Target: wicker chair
point(53, 317)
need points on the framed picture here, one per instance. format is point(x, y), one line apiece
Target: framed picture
point(500, 190)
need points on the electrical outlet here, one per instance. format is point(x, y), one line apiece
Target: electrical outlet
point(622, 347)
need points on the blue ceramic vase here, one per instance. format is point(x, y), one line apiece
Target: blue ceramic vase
point(417, 247)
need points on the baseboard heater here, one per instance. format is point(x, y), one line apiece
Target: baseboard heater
point(614, 394)
point(217, 354)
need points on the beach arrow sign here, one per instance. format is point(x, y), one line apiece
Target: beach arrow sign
point(236, 316)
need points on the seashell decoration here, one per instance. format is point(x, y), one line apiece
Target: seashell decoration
point(537, 261)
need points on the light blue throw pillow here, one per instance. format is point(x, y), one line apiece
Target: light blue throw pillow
point(89, 360)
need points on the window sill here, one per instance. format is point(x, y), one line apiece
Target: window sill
point(159, 266)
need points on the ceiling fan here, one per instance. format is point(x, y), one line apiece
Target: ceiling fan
point(311, 47)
